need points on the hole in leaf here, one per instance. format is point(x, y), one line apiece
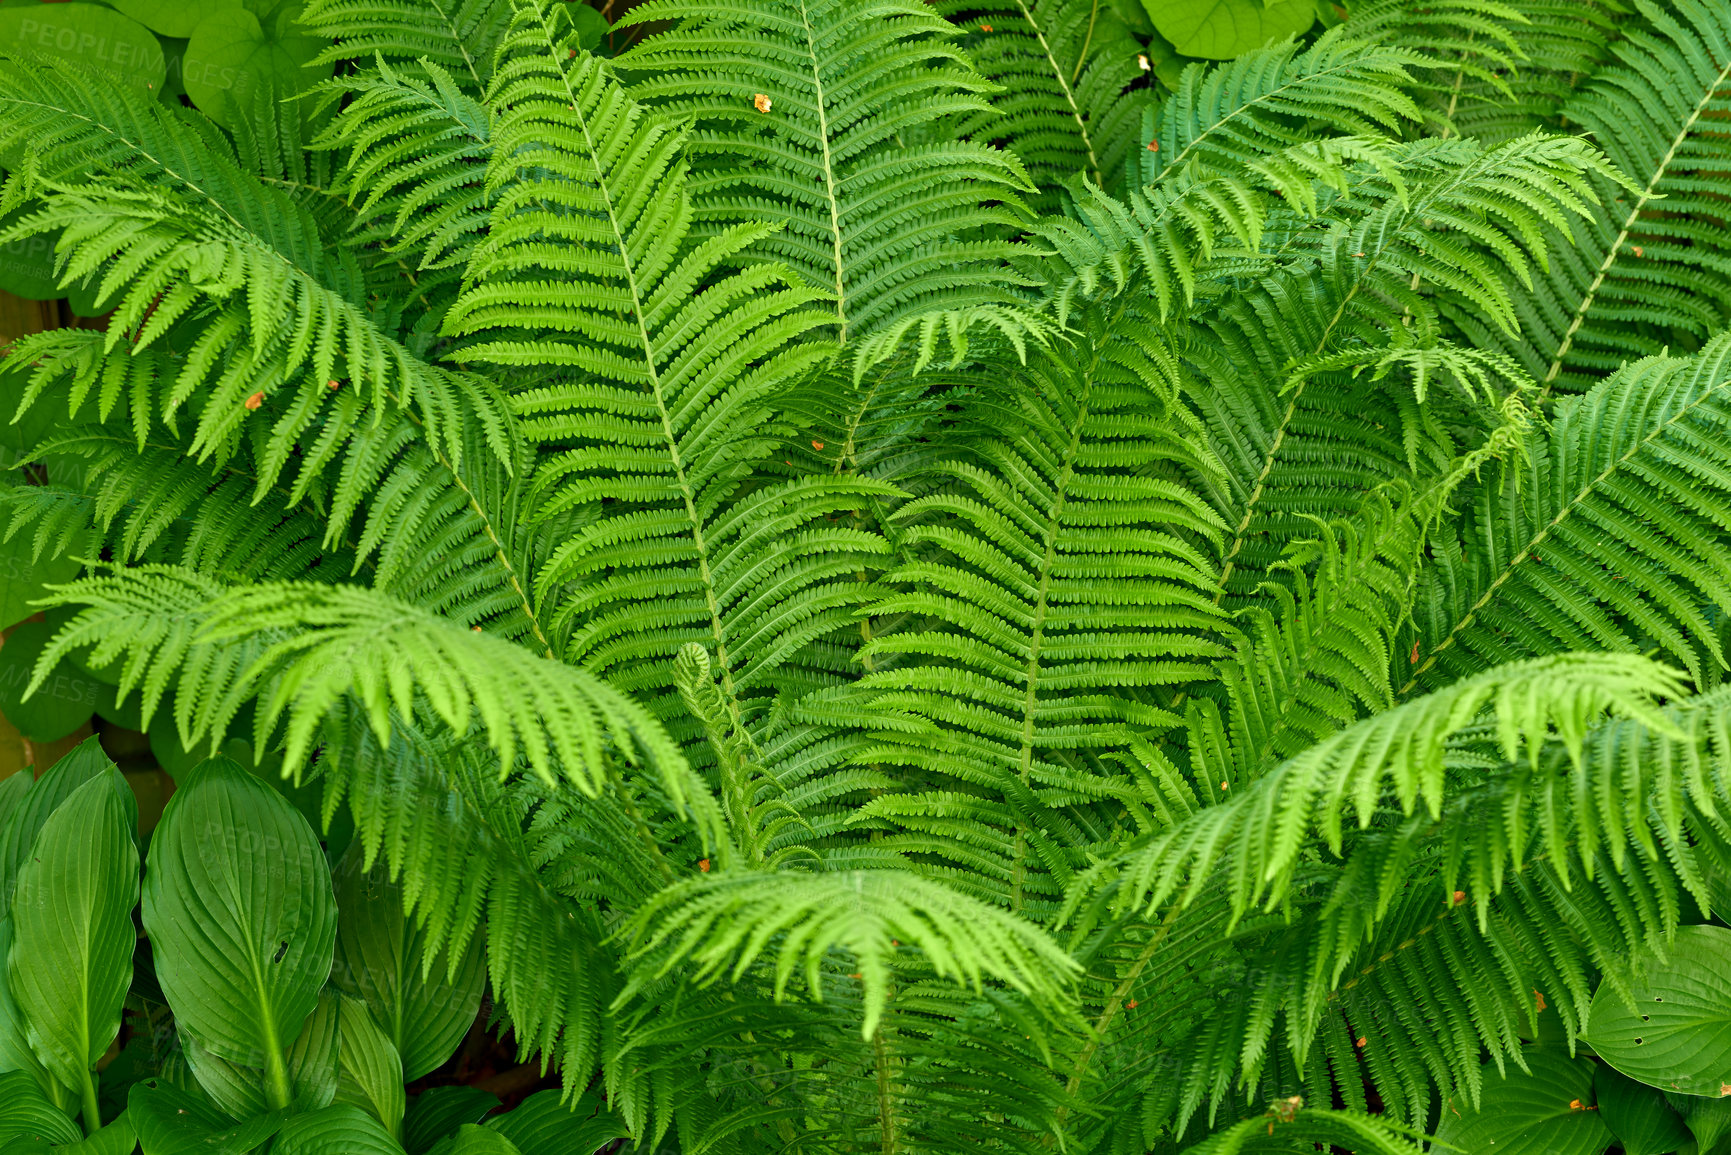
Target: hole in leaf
point(1638, 1042)
point(1646, 1018)
point(282, 949)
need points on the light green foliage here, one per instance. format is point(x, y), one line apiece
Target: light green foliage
point(896, 578)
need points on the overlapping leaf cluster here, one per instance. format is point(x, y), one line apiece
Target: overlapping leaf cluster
point(919, 591)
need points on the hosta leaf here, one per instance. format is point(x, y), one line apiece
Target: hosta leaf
point(15, 1052)
point(238, 905)
point(470, 1139)
point(169, 1121)
point(341, 1129)
point(545, 1126)
point(1547, 1112)
point(115, 1138)
point(1637, 1114)
point(438, 1111)
point(81, 763)
point(372, 1074)
point(26, 1112)
point(312, 1067)
point(381, 960)
point(1677, 1035)
point(72, 935)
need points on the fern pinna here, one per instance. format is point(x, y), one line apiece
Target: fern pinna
point(895, 579)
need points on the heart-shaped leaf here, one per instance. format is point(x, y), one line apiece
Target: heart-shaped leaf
point(87, 36)
point(1637, 1114)
point(25, 1113)
point(438, 1111)
point(238, 906)
point(170, 1121)
point(1222, 29)
point(235, 58)
point(172, 17)
point(1677, 1035)
point(371, 1074)
point(1546, 1112)
point(341, 1129)
point(72, 936)
point(381, 956)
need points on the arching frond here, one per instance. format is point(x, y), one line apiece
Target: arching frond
point(305, 648)
point(1074, 87)
point(805, 113)
point(179, 226)
point(1602, 537)
point(415, 157)
point(1259, 833)
point(456, 36)
point(721, 924)
point(669, 397)
point(1060, 581)
point(1645, 271)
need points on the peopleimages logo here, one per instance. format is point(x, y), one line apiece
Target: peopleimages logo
point(121, 54)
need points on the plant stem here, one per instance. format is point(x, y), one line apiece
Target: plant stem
point(92, 1111)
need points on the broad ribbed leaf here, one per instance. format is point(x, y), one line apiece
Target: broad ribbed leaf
point(238, 905)
point(312, 1067)
point(15, 1052)
point(77, 766)
point(1546, 1112)
point(1637, 1114)
point(424, 1008)
point(543, 1125)
point(1676, 1033)
point(115, 1138)
point(25, 1112)
point(71, 959)
point(438, 1111)
point(471, 1139)
point(341, 1129)
point(372, 1074)
point(169, 1121)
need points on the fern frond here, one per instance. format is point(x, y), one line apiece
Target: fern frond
point(721, 924)
point(1645, 271)
point(1400, 754)
point(1227, 117)
point(306, 647)
point(457, 36)
point(670, 398)
point(1074, 90)
point(1601, 537)
point(805, 116)
point(1060, 579)
point(178, 226)
point(415, 158)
